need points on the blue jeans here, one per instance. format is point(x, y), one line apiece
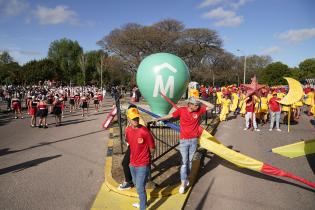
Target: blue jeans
point(187, 148)
point(273, 116)
point(139, 178)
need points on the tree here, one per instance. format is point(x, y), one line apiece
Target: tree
point(273, 74)
point(307, 68)
point(35, 71)
point(5, 58)
point(133, 42)
point(82, 64)
point(10, 73)
point(254, 64)
point(65, 53)
point(93, 61)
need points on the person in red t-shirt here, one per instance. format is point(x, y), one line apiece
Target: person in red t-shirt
point(250, 112)
point(142, 146)
point(190, 118)
point(275, 111)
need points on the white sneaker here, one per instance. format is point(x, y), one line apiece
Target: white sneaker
point(270, 129)
point(181, 189)
point(245, 129)
point(257, 129)
point(136, 205)
point(278, 130)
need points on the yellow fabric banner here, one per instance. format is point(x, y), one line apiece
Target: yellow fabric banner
point(210, 143)
point(297, 149)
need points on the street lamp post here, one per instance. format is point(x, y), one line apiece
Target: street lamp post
point(102, 57)
point(244, 80)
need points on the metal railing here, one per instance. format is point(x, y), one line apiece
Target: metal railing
point(166, 138)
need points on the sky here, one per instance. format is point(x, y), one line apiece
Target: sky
point(283, 29)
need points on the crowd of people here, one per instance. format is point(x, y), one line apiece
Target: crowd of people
point(260, 108)
point(40, 101)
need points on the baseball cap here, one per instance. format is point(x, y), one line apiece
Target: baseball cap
point(133, 113)
point(193, 100)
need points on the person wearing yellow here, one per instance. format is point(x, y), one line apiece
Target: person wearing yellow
point(225, 107)
point(309, 101)
point(242, 105)
point(193, 93)
point(281, 93)
point(235, 100)
point(263, 109)
point(297, 109)
point(269, 96)
point(219, 96)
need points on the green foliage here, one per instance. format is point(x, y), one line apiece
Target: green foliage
point(307, 68)
point(65, 53)
point(35, 71)
point(10, 73)
point(273, 74)
point(5, 58)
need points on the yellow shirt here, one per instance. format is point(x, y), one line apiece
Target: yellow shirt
point(280, 95)
point(264, 104)
point(194, 93)
point(309, 98)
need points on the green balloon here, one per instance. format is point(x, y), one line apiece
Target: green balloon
point(162, 73)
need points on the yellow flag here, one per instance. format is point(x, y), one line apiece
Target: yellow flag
point(210, 143)
point(297, 149)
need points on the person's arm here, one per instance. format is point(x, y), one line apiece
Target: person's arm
point(208, 105)
point(166, 117)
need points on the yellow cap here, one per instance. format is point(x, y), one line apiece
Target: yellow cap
point(133, 113)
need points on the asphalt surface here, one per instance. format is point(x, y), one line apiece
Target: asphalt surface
point(54, 168)
point(223, 185)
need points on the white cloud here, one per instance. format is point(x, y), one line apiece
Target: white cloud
point(299, 35)
point(13, 7)
point(271, 50)
point(60, 14)
point(234, 4)
point(224, 17)
point(238, 4)
point(207, 3)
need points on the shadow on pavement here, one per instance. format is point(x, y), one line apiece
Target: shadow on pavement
point(5, 118)
point(204, 196)
point(26, 165)
point(7, 151)
point(311, 161)
point(72, 122)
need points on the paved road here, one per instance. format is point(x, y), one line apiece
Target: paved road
point(54, 168)
point(225, 186)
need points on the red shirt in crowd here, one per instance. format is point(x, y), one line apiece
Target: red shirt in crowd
point(250, 106)
point(189, 122)
point(274, 105)
point(140, 141)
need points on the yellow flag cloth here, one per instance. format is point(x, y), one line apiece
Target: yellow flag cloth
point(297, 149)
point(210, 143)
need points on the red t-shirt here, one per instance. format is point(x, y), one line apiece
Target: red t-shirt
point(140, 141)
point(274, 105)
point(189, 122)
point(249, 106)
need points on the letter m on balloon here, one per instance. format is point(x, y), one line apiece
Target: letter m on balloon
point(159, 85)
